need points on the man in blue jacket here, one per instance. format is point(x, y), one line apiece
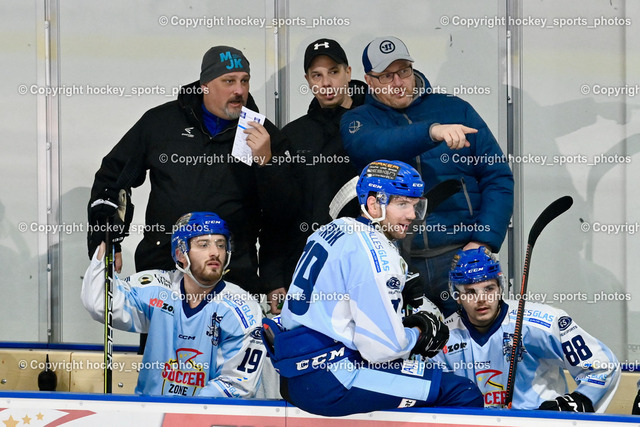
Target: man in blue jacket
point(402, 119)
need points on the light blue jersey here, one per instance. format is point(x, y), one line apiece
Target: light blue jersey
point(213, 349)
point(344, 349)
point(552, 341)
point(348, 286)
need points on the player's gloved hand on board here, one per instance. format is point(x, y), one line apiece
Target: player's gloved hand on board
point(572, 402)
point(433, 333)
point(636, 403)
point(109, 204)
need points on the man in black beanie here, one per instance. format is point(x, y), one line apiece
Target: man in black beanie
point(186, 146)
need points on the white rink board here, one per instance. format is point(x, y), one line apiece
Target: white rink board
point(71, 409)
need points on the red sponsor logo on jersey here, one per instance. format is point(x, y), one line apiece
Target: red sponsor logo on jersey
point(494, 392)
point(183, 371)
point(156, 302)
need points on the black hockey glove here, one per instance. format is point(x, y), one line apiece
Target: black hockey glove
point(103, 206)
point(636, 405)
point(433, 333)
point(572, 402)
point(115, 205)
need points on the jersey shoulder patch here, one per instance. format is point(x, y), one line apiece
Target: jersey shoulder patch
point(151, 278)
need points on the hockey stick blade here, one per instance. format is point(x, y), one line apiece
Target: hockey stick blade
point(552, 211)
point(441, 192)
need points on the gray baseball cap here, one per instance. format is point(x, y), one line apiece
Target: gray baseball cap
point(382, 51)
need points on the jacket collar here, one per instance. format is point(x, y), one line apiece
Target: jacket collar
point(190, 99)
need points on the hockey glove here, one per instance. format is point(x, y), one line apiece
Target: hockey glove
point(433, 333)
point(109, 204)
point(424, 304)
point(572, 402)
point(636, 405)
point(105, 205)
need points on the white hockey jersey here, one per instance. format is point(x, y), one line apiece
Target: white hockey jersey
point(552, 341)
point(348, 286)
point(214, 349)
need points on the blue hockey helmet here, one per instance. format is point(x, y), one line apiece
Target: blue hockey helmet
point(474, 266)
point(196, 224)
point(390, 178)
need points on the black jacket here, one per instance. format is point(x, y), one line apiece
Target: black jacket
point(192, 171)
point(321, 165)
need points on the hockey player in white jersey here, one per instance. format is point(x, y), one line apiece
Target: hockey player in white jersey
point(345, 348)
point(204, 332)
point(481, 338)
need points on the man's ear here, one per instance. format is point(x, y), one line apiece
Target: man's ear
point(373, 207)
point(180, 256)
point(368, 79)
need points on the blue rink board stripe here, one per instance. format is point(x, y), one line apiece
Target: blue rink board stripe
point(601, 418)
point(609, 418)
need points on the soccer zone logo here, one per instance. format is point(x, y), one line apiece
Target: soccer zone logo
point(214, 329)
point(494, 392)
point(507, 347)
point(183, 376)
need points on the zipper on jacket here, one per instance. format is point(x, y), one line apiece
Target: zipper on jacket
point(466, 195)
point(204, 129)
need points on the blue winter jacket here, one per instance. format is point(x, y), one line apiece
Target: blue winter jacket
point(482, 209)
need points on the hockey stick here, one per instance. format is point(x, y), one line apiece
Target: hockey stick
point(552, 211)
point(124, 181)
point(108, 312)
point(441, 192)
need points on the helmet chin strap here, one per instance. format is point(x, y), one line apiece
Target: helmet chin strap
point(375, 220)
point(187, 271)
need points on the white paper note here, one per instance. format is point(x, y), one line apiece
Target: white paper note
point(241, 149)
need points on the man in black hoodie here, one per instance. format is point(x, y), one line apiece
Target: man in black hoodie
point(321, 164)
point(186, 147)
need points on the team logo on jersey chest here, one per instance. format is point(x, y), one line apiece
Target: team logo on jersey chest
point(393, 283)
point(564, 322)
point(214, 329)
point(256, 334)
